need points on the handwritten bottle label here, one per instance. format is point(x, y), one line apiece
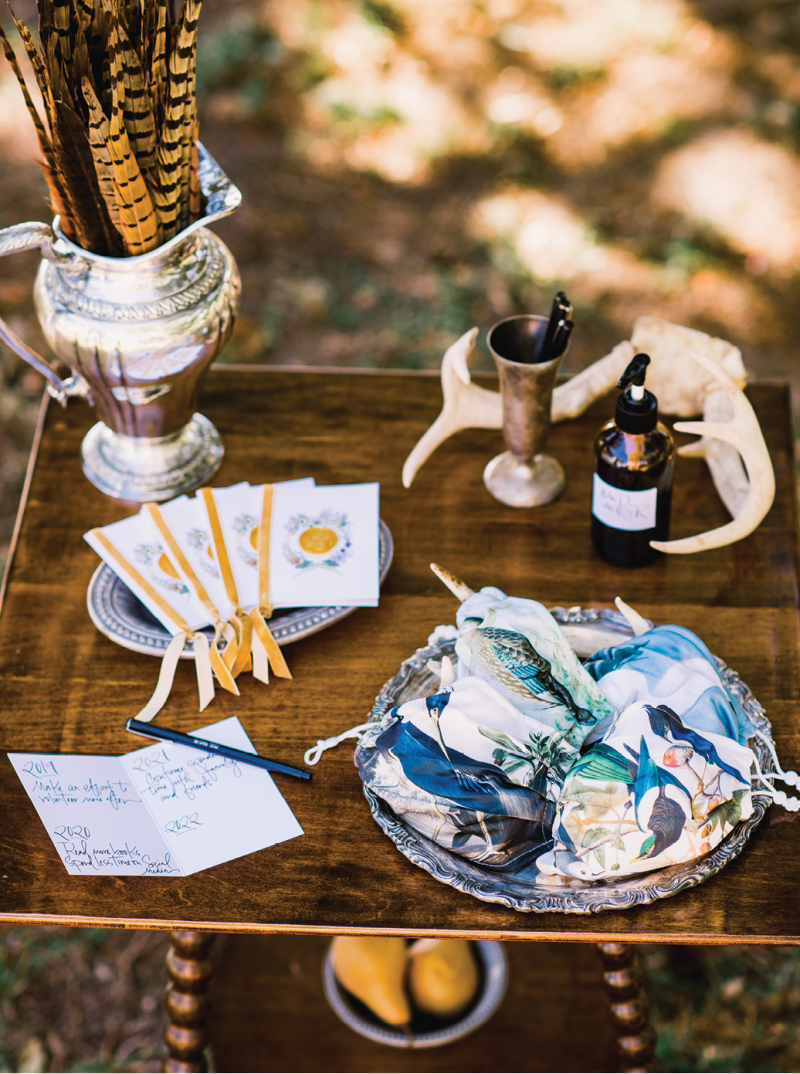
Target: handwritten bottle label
point(623, 510)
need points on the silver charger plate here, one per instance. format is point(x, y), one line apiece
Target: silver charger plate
point(584, 628)
point(494, 965)
point(122, 617)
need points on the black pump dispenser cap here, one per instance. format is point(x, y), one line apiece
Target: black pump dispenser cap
point(636, 415)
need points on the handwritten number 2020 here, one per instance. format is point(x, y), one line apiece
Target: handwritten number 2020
point(64, 831)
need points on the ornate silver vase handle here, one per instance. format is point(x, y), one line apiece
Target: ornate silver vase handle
point(31, 236)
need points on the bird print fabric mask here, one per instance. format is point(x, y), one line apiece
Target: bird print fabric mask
point(671, 664)
point(518, 647)
point(533, 764)
point(468, 770)
point(652, 793)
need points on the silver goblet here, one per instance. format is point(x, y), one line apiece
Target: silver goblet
point(523, 476)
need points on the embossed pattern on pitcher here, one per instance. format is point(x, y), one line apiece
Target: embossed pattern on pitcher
point(141, 330)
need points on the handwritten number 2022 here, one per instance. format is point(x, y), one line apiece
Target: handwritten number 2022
point(185, 824)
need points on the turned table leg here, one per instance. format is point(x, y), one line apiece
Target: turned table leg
point(187, 1034)
point(622, 979)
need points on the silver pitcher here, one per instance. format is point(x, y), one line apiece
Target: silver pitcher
point(138, 334)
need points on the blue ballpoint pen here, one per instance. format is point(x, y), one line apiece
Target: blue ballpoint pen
point(149, 730)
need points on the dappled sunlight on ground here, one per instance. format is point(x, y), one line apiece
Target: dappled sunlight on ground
point(638, 153)
point(413, 168)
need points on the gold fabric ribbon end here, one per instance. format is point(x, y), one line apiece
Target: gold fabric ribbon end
point(166, 676)
point(202, 665)
point(244, 632)
point(271, 647)
point(264, 644)
point(169, 665)
point(217, 665)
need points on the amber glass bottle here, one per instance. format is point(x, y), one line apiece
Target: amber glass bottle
point(632, 492)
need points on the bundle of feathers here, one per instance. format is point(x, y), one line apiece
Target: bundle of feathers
point(119, 140)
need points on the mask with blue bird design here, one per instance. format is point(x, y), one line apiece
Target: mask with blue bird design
point(653, 792)
point(518, 647)
point(671, 664)
point(534, 764)
point(471, 772)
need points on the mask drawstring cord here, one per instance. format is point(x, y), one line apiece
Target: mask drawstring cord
point(767, 790)
point(791, 778)
point(314, 755)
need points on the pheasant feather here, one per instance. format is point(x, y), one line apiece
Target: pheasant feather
point(140, 228)
point(58, 197)
point(36, 61)
point(62, 14)
point(41, 133)
point(188, 136)
point(118, 135)
point(159, 71)
point(85, 12)
point(168, 154)
point(195, 196)
point(99, 134)
point(76, 168)
point(137, 114)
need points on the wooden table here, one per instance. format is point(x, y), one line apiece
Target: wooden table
point(64, 687)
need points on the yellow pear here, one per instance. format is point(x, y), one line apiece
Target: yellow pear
point(442, 976)
point(373, 968)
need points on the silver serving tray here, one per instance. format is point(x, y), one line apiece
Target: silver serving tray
point(564, 895)
point(122, 617)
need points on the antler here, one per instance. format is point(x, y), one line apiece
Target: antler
point(722, 458)
point(729, 429)
point(466, 406)
point(455, 585)
point(744, 433)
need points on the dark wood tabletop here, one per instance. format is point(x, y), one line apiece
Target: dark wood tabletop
point(66, 688)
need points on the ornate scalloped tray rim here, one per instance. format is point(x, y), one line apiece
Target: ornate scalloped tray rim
point(150, 638)
point(571, 896)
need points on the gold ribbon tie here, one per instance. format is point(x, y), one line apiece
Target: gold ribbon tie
point(218, 665)
point(169, 662)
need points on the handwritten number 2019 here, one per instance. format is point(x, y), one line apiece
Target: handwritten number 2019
point(40, 768)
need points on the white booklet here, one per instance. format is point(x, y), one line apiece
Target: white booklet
point(325, 546)
point(239, 509)
point(139, 543)
point(165, 810)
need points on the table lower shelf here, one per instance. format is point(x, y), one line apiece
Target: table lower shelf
point(269, 1014)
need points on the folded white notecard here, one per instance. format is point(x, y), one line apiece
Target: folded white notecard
point(239, 509)
point(139, 543)
point(165, 810)
point(324, 546)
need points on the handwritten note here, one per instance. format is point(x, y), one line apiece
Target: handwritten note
point(165, 810)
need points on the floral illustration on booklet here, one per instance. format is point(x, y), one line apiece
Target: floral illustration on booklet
point(323, 541)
